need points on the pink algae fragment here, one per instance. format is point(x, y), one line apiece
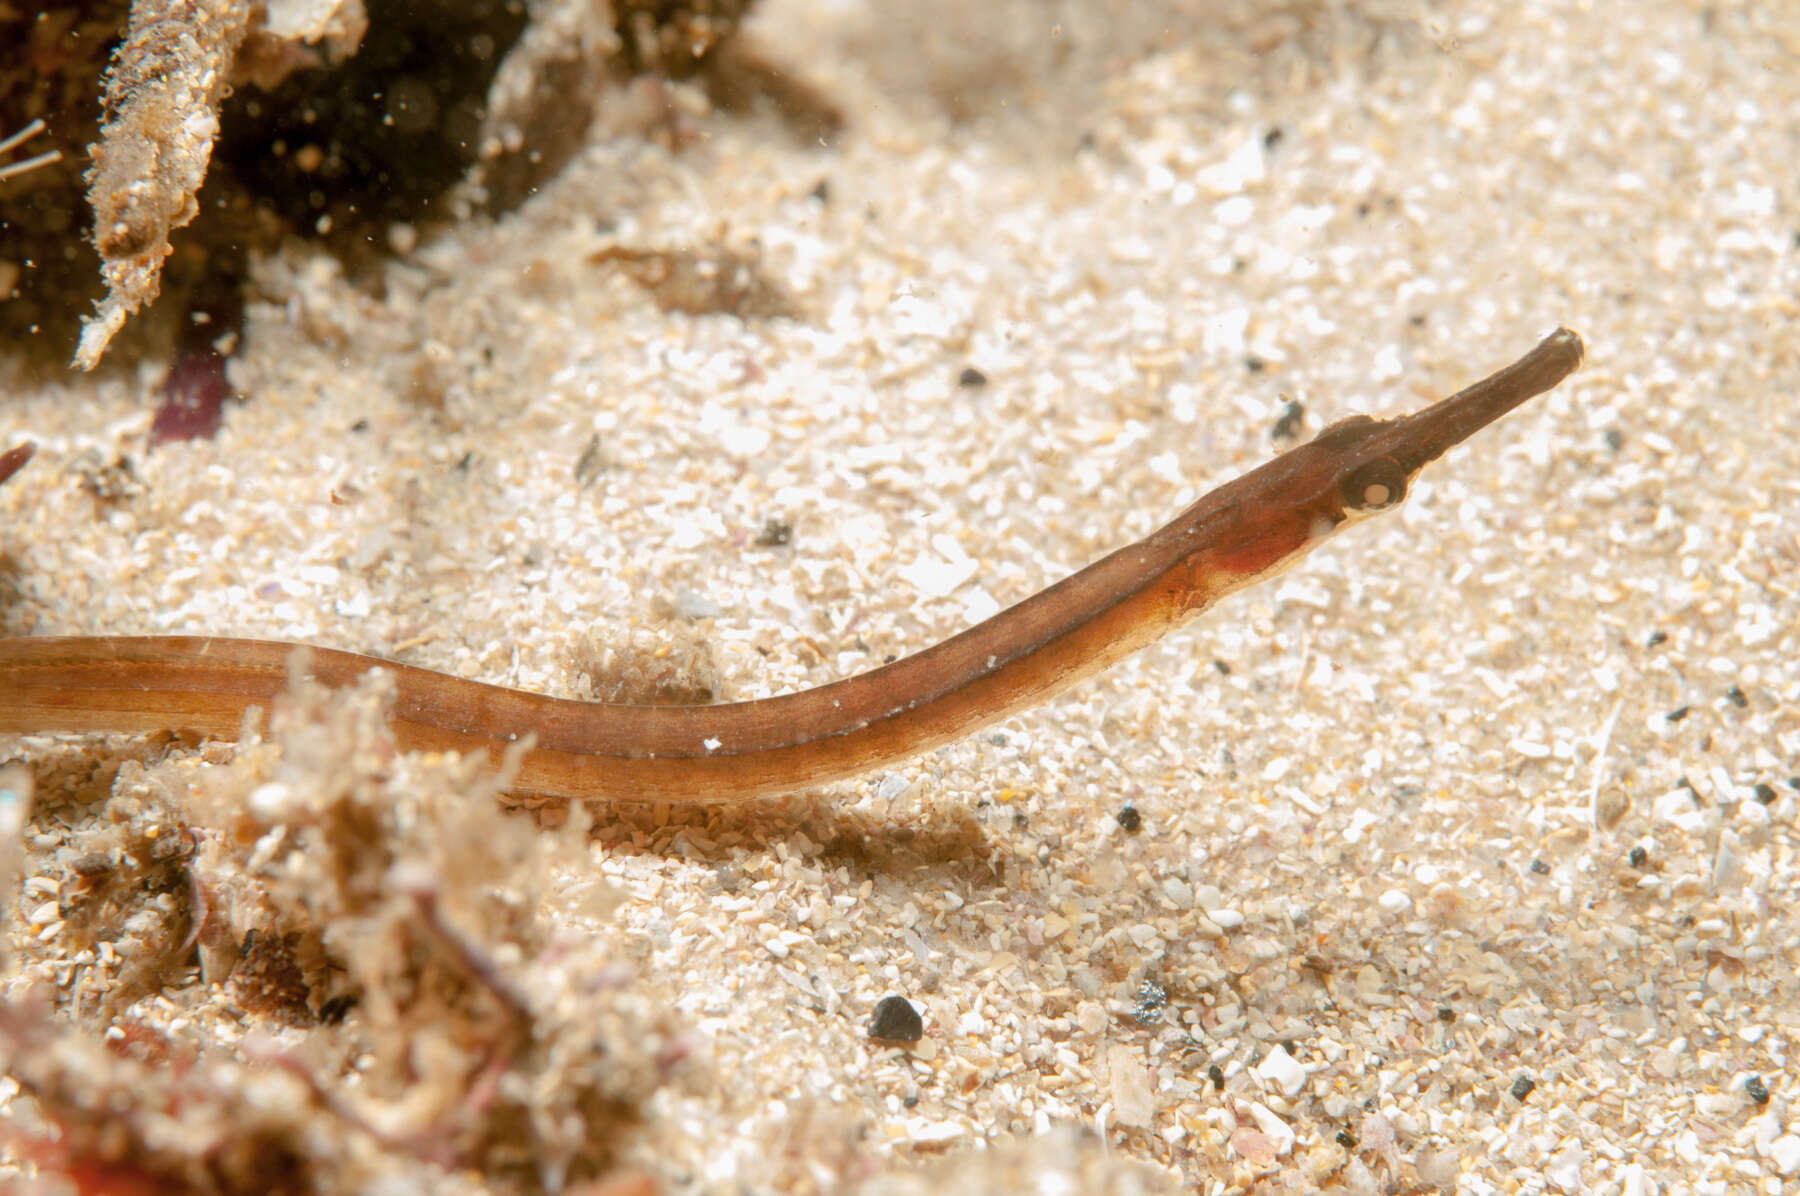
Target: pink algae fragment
point(13, 459)
point(195, 388)
point(194, 392)
point(1253, 1146)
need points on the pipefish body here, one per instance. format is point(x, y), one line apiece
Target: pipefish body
point(1242, 532)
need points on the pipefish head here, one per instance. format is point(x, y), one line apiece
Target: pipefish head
point(1371, 463)
point(1357, 467)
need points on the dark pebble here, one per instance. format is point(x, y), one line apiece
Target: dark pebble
point(1638, 857)
point(1522, 1087)
point(896, 1020)
point(1151, 997)
point(1346, 1139)
point(1656, 637)
point(1677, 714)
point(774, 533)
point(1539, 867)
point(1737, 697)
point(1216, 1074)
point(1446, 1014)
point(1293, 414)
point(1756, 1090)
point(588, 464)
point(1765, 793)
point(971, 378)
point(1129, 819)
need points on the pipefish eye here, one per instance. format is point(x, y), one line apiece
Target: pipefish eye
point(1373, 486)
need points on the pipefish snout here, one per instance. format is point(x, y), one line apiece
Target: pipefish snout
point(1246, 530)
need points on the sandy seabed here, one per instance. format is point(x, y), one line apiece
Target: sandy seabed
point(1465, 855)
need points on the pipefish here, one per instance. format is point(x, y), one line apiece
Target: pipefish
point(1244, 531)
